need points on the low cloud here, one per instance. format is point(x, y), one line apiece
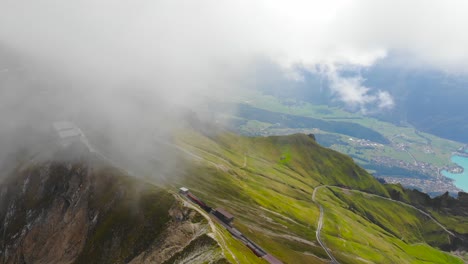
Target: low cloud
point(353, 92)
point(385, 100)
point(192, 47)
point(118, 60)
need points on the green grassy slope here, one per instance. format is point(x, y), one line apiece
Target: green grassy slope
point(267, 184)
point(380, 231)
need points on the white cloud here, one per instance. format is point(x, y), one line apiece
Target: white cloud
point(354, 93)
point(350, 90)
point(113, 62)
point(185, 47)
point(385, 100)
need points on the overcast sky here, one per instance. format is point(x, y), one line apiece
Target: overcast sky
point(210, 42)
point(106, 51)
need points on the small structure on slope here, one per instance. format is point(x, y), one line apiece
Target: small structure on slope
point(67, 132)
point(183, 190)
point(224, 216)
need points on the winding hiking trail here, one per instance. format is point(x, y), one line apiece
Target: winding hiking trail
point(402, 203)
point(320, 221)
point(320, 225)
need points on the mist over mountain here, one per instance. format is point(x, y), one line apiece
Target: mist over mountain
point(108, 107)
point(106, 57)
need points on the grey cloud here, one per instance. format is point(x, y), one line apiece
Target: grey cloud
point(118, 60)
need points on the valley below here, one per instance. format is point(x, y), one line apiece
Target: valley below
point(396, 154)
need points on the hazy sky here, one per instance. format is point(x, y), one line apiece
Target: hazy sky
point(108, 52)
point(191, 46)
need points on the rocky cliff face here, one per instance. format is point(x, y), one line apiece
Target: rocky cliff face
point(74, 212)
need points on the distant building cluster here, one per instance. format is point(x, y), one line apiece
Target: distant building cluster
point(438, 185)
point(365, 143)
point(419, 166)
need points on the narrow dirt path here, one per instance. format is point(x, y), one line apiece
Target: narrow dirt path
point(320, 225)
point(321, 217)
point(402, 203)
point(320, 221)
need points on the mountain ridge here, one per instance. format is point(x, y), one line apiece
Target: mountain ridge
point(265, 182)
point(81, 212)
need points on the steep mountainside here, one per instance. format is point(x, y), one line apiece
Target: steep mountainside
point(398, 153)
point(268, 182)
point(299, 201)
point(87, 212)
